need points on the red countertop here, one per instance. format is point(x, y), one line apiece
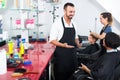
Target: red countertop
point(39, 56)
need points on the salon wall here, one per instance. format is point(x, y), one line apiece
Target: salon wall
point(86, 17)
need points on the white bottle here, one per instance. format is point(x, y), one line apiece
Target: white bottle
point(42, 35)
point(16, 56)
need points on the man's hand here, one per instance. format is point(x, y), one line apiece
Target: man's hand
point(68, 46)
point(85, 68)
point(79, 45)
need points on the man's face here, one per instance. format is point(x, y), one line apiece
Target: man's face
point(104, 43)
point(69, 12)
point(91, 39)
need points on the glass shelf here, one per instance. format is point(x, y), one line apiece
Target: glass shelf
point(54, 3)
point(23, 29)
point(34, 10)
point(39, 25)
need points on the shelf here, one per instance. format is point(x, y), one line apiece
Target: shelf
point(19, 29)
point(34, 10)
point(39, 25)
point(54, 3)
point(22, 29)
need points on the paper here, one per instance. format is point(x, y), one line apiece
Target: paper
point(3, 62)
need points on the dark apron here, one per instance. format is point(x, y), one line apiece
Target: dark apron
point(103, 29)
point(101, 41)
point(65, 59)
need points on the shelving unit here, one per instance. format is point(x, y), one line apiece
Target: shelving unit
point(22, 19)
point(25, 13)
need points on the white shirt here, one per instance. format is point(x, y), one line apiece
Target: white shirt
point(112, 50)
point(57, 29)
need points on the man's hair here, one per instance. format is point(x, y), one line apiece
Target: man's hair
point(112, 40)
point(68, 4)
point(94, 37)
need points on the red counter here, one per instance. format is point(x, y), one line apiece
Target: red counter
point(40, 57)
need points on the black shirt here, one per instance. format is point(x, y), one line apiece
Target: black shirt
point(104, 67)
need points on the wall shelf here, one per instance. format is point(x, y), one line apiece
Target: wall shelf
point(31, 10)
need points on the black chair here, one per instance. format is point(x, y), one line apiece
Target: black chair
point(83, 40)
point(92, 56)
point(87, 58)
point(84, 58)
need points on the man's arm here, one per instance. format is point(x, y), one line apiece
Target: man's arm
point(57, 43)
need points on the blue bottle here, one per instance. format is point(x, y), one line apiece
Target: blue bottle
point(18, 43)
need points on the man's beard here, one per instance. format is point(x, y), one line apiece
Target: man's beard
point(69, 17)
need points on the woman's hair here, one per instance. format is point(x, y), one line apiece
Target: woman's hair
point(108, 16)
point(68, 4)
point(112, 40)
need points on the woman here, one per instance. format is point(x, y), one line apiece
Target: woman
point(105, 66)
point(106, 19)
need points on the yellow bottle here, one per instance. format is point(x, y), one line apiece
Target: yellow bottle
point(22, 50)
point(10, 47)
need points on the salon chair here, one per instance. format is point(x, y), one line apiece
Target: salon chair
point(83, 40)
point(87, 58)
point(84, 58)
point(92, 56)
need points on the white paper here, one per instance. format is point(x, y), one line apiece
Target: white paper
point(3, 62)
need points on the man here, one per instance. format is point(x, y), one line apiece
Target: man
point(88, 50)
point(93, 47)
point(64, 36)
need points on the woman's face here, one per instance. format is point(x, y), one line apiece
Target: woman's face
point(103, 20)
